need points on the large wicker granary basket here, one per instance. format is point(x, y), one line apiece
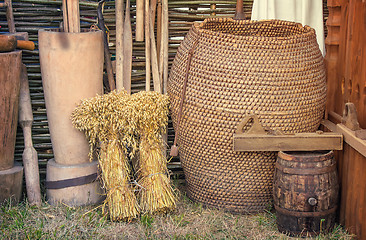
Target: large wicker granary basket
point(273, 69)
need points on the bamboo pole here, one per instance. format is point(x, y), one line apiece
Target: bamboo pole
point(147, 44)
point(119, 44)
point(139, 36)
point(127, 50)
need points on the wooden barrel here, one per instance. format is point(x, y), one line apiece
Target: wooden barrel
point(305, 192)
point(9, 99)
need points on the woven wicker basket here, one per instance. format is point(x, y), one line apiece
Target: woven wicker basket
point(273, 69)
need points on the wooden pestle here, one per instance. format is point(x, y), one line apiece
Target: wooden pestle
point(30, 158)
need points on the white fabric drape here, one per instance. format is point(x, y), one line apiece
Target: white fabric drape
point(306, 12)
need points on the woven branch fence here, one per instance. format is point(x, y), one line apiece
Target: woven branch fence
point(32, 15)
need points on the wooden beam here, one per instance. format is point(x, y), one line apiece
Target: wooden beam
point(294, 142)
point(350, 137)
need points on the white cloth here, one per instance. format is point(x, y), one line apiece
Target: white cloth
point(306, 12)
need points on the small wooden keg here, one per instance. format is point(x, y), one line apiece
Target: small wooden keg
point(305, 192)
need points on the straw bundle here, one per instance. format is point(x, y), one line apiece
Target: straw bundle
point(105, 122)
point(156, 194)
point(115, 124)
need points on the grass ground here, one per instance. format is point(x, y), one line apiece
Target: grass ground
point(189, 221)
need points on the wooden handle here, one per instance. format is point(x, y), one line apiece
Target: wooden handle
point(7, 43)
point(28, 45)
point(255, 128)
point(30, 158)
point(239, 13)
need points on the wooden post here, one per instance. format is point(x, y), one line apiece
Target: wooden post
point(154, 59)
point(10, 16)
point(71, 15)
point(165, 44)
point(239, 13)
point(139, 20)
point(147, 44)
point(158, 34)
point(127, 50)
point(119, 44)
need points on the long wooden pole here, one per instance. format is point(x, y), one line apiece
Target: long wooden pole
point(139, 20)
point(147, 44)
point(119, 44)
point(165, 43)
point(107, 56)
point(239, 12)
point(154, 61)
point(127, 50)
point(65, 16)
point(10, 16)
point(159, 40)
point(71, 15)
point(154, 57)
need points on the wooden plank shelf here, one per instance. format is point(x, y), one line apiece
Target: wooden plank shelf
point(257, 139)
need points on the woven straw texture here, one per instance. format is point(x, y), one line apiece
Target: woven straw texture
point(273, 69)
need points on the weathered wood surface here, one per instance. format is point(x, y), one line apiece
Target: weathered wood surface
point(346, 61)
point(352, 167)
point(9, 99)
point(305, 191)
point(11, 183)
point(30, 158)
point(257, 139)
point(294, 142)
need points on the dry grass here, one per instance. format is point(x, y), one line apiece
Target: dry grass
point(189, 221)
